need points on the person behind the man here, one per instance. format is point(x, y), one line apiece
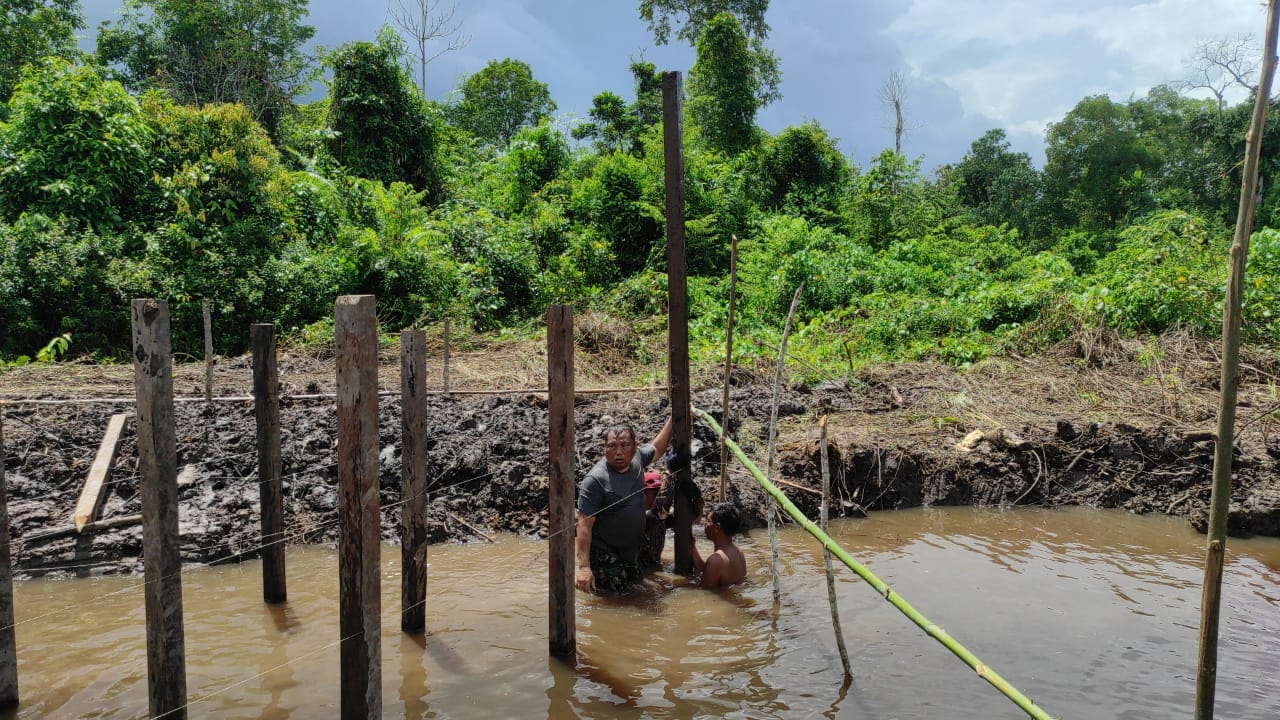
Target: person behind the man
point(611, 516)
point(725, 566)
point(659, 499)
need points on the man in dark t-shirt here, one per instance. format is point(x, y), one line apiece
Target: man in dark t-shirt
point(611, 511)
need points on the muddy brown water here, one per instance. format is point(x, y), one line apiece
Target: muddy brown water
point(1093, 614)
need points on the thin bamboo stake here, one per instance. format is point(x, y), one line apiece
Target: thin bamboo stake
point(826, 554)
point(728, 360)
point(772, 510)
point(1216, 547)
point(937, 633)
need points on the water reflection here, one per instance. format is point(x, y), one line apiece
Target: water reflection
point(1092, 613)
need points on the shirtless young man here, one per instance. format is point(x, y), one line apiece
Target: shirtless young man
point(725, 566)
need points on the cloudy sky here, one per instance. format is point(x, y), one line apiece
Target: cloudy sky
point(972, 65)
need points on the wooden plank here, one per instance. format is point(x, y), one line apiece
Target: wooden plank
point(91, 496)
point(157, 465)
point(266, 406)
point(88, 529)
point(359, 599)
point(678, 317)
point(8, 639)
point(561, 525)
point(413, 482)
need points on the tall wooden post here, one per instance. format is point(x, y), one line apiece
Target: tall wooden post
point(266, 405)
point(561, 528)
point(8, 638)
point(158, 467)
point(208, 351)
point(678, 318)
point(1224, 447)
point(445, 367)
point(359, 601)
point(413, 482)
point(728, 364)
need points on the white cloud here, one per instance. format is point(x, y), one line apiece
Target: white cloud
point(1024, 63)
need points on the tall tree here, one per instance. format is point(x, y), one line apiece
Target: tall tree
point(32, 29)
point(691, 18)
point(215, 51)
point(893, 95)
point(381, 127)
point(424, 21)
point(1220, 64)
point(1097, 164)
point(996, 185)
point(500, 99)
point(616, 125)
point(722, 83)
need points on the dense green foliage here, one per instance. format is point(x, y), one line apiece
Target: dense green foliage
point(722, 87)
point(381, 129)
point(214, 51)
point(483, 210)
point(31, 30)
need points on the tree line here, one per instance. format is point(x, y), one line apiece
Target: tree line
point(175, 161)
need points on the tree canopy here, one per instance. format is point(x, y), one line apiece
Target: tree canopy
point(214, 51)
point(500, 99)
point(722, 87)
point(32, 29)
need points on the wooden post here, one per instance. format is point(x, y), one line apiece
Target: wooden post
point(728, 363)
point(158, 467)
point(8, 638)
point(266, 407)
point(561, 526)
point(445, 370)
point(208, 353)
point(678, 317)
point(826, 551)
point(413, 482)
point(772, 509)
point(359, 601)
point(1220, 498)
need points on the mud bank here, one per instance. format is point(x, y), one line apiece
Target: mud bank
point(1052, 431)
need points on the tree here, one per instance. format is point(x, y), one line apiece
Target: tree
point(722, 83)
point(614, 124)
point(996, 185)
point(380, 125)
point(698, 14)
point(215, 51)
point(500, 99)
point(32, 29)
point(1219, 64)
point(803, 172)
point(424, 21)
point(893, 94)
point(1097, 164)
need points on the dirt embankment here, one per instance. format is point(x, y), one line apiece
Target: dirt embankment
point(1102, 423)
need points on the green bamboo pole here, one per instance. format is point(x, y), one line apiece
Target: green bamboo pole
point(937, 633)
point(1220, 500)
